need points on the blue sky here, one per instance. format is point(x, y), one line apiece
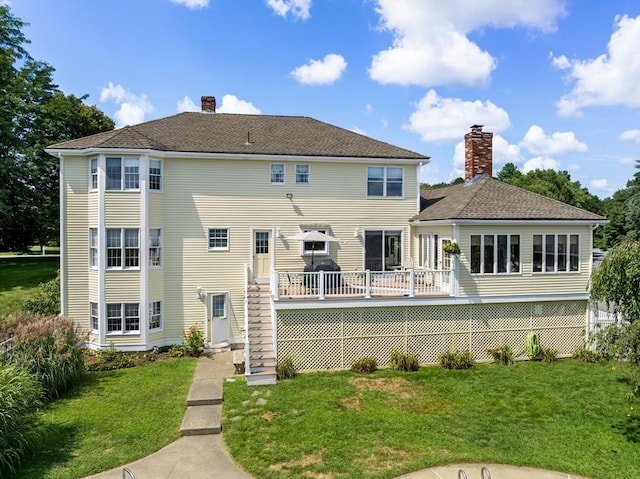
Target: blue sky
point(557, 81)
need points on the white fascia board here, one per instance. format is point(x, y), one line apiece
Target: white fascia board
point(425, 301)
point(507, 222)
point(227, 156)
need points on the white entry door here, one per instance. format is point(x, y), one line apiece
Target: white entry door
point(219, 317)
point(261, 253)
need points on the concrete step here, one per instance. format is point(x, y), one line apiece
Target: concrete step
point(205, 392)
point(201, 420)
point(262, 379)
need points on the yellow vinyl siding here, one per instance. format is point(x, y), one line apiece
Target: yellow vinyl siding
point(93, 285)
point(237, 194)
point(526, 282)
point(122, 286)
point(76, 231)
point(156, 210)
point(122, 209)
point(156, 285)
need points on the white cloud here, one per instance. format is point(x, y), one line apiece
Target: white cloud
point(431, 44)
point(132, 107)
point(599, 184)
point(627, 161)
point(611, 78)
point(232, 104)
point(193, 4)
point(630, 135)
point(440, 119)
point(538, 143)
point(321, 72)
point(540, 163)
point(299, 9)
point(186, 104)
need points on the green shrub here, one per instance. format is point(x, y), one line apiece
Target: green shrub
point(110, 359)
point(193, 341)
point(50, 349)
point(581, 353)
point(404, 362)
point(364, 365)
point(46, 301)
point(177, 351)
point(502, 355)
point(456, 359)
point(286, 369)
point(549, 355)
point(20, 395)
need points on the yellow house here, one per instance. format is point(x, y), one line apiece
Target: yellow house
point(201, 219)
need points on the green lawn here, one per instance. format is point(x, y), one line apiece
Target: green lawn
point(20, 277)
point(569, 416)
point(114, 418)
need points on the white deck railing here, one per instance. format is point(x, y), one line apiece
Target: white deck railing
point(360, 284)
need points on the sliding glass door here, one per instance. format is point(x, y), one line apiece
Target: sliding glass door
point(382, 250)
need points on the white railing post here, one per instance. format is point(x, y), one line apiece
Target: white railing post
point(275, 285)
point(321, 284)
point(412, 283)
point(367, 283)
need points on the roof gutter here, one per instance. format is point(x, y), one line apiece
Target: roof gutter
point(484, 222)
point(227, 156)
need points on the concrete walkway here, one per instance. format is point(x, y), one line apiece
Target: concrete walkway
point(205, 455)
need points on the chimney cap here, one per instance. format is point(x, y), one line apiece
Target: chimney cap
point(476, 127)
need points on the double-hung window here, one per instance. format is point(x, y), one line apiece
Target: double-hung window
point(123, 317)
point(155, 315)
point(219, 239)
point(93, 248)
point(123, 174)
point(556, 253)
point(94, 174)
point(315, 247)
point(384, 181)
point(491, 254)
point(122, 243)
point(302, 174)
point(277, 173)
point(155, 175)
point(93, 316)
point(155, 247)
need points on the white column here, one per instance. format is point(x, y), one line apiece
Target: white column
point(144, 249)
point(102, 252)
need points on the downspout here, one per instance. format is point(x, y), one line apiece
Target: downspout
point(63, 249)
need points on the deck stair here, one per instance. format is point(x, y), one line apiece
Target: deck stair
point(260, 366)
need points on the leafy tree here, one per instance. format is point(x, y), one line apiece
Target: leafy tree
point(34, 113)
point(633, 206)
point(508, 173)
point(617, 280)
point(442, 184)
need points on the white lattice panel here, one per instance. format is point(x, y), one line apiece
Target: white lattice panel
point(333, 338)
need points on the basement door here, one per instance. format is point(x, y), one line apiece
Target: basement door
point(219, 317)
point(261, 254)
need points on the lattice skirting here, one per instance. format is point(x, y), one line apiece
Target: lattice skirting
point(334, 338)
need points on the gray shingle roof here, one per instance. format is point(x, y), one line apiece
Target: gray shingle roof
point(242, 134)
point(489, 199)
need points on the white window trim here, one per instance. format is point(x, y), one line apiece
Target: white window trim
point(309, 253)
point(91, 316)
point(555, 254)
point(213, 294)
point(495, 254)
point(218, 248)
point(159, 247)
point(123, 249)
point(303, 183)
point(385, 181)
point(284, 174)
point(150, 318)
point(122, 173)
point(159, 190)
point(93, 258)
point(122, 331)
point(91, 174)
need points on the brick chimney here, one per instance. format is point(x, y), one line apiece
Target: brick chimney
point(478, 153)
point(208, 104)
